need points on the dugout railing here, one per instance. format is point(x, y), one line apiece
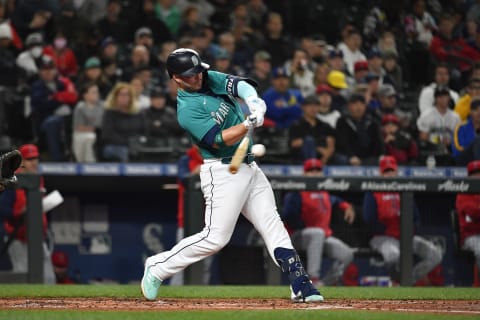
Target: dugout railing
point(407, 186)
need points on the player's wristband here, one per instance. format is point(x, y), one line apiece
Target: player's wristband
point(219, 140)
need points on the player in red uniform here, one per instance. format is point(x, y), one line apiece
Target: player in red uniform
point(381, 212)
point(307, 215)
point(13, 206)
point(468, 210)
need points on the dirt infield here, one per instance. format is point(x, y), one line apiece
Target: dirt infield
point(417, 306)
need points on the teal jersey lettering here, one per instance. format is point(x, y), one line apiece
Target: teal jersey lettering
point(199, 112)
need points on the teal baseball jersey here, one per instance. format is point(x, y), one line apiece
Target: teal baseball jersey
point(199, 112)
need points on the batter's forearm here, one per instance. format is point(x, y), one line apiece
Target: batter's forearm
point(233, 134)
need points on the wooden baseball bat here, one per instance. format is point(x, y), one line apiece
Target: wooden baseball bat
point(240, 153)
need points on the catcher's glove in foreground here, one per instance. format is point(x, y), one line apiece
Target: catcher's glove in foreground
point(9, 163)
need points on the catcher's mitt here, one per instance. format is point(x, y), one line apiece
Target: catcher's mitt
point(9, 163)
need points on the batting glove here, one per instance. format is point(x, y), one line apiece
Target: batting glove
point(256, 104)
point(254, 120)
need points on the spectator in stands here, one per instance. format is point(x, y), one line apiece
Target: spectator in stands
point(52, 97)
point(276, 43)
point(301, 76)
point(60, 267)
point(321, 73)
point(92, 72)
point(13, 207)
point(335, 60)
point(222, 62)
point(75, 27)
point(337, 82)
point(144, 37)
point(398, 143)
point(29, 17)
point(261, 72)
point(351, 49)
point(113, 25)
point(310, 137)
point(468, 211)
point(139, 58)
point(307, 215)
point(375, 65)
point(438, 124)
point(283, 102)
point(316, 48)
point(109, 50)
point(121, 123)
point(387, 98)
point(360, 71)
point(147, 18)
point(8, 70)
point(241, 54)
point(160, 118)
point(165, 49)
point(63, 56)
point(373, 84)
point(448, 47)
point(462, 107)
point(87, 119)
point(358, 134)
point(169, 13)
point(142, 101)
point(381, 212)
point(393, 70)
point(419, 27)
point(325, 111)
point(441, 78)
point(466, 141)
point(27, 60)
point(190, 21)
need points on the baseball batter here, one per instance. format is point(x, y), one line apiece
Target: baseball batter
point(208, 110)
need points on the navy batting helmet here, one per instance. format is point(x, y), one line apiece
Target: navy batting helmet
point(185, 62)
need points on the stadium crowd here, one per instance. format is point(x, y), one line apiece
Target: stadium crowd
point(86, 81)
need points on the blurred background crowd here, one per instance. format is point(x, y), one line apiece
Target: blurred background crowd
point(344, 81)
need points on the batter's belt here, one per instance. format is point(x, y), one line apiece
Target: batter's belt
point(249, 158)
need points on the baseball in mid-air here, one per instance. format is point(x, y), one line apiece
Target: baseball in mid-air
point(258, 150)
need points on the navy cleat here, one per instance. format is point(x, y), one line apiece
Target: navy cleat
point(301, 287)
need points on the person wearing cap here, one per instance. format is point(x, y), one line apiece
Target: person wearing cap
point(60, 267)
point(335, 60)
point(86, 121)
point(387, 101)
point(307, 215)
point(360, 71)
point(310, 137)
point(26, 60)
point(398, 143)
point(325, 111)
point(283, 102)
point(92, 72)
point(375, 65)
point(468, 212)
point(441, 78)
point(52, 97)
point(381, 212)
point(462, 107)
point(223, 61)
point(436, 126)
point(261, 71)
point(216, 124)
point(393, 70)
point(160, 118)
point(359, 139)
point(13, 207)
point(337, 81)
point(466, 141)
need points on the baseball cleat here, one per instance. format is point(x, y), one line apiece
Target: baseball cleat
point(308, 294)
point(150, 284)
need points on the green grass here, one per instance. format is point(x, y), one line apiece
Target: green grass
point(133, 291)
